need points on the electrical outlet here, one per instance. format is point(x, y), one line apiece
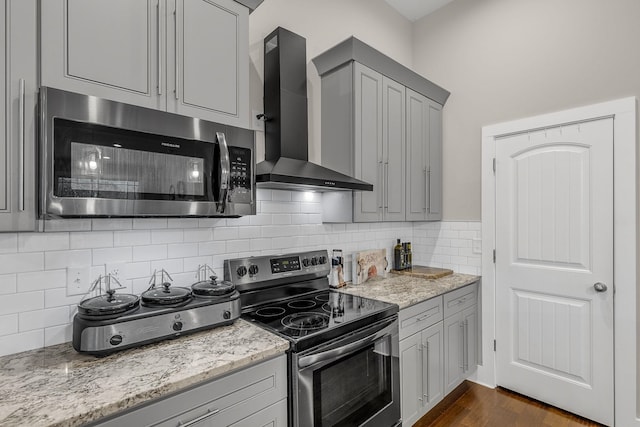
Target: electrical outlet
point(117, 271)
point(78, 280)
point(257, 124)
point(476, 246)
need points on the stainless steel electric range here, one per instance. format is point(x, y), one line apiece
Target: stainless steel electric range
point(343, 359)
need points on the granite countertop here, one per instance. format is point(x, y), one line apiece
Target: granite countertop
point(407, 290)
point(56, 386)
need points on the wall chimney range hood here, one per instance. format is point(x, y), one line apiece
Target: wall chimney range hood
point(286, 165)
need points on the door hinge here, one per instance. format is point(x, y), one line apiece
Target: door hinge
point(494, 345)
point(494, 165)
point(494, 256)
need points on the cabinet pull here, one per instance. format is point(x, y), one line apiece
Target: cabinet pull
point(210, 413)
point(461, 358)
point(380, 197)
point(428, 190)
point(386, 185)
point(175, 34)
point(21, 129)
point(426, 395)
point(225, 168)
point(421, 318)
point(466, 346)
point(159, 34)
point(426, 184)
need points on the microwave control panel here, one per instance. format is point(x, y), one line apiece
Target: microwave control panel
point(240, 175)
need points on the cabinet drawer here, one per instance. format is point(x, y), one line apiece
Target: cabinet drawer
point(460, 299)
point(417, 317)
point(231, 398)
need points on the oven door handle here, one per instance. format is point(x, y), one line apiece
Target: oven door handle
point(385, 329)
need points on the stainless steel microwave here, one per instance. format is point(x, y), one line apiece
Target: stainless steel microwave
point(101, 158)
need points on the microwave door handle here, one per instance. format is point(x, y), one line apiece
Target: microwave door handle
point(225, 166)
point(324, 356)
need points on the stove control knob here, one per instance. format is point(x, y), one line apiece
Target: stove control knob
point(305, 262)
point(115, 340)
point(314, 261)
point(177, 326)
point(226, 315)
point(242, 270)
point(253, 269)
point(322, 260)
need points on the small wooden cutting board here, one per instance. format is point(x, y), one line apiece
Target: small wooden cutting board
point(424, 272)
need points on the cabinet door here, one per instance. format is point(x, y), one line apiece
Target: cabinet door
point(209, 77)
point(17, 113)
point(108, 48)
point(417, 155)
point(368, 143)
point(453, 354)
point(434, 162)
point(432, 362)
point(393, 156)
point(411, 378)
point(470, 319)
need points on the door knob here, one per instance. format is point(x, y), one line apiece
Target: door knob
point(600, 287)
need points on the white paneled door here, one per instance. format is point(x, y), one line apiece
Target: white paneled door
point(554, 266)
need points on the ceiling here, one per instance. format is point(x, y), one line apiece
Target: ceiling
point(416, 9)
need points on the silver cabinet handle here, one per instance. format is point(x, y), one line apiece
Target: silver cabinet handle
point(386, 185)
point(381, 179)
point(426, 316)
point(210, 413)
point(600, 287)
point(175, 34)
point(461, 366)
point(466, 346)
point(426, 184)
point(225, 167)
point(21, 130)
point(428, 189)
point(159, 34)
point(426, 395)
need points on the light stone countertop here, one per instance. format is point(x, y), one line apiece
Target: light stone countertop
point(56, 386)
point(408, 290)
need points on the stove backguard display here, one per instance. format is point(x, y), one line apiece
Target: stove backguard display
point(284, 264)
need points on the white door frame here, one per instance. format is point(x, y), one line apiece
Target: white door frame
point(625, 209)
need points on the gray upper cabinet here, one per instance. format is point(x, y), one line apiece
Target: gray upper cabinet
point(424, 158)
point(381, 123)
point(18, 68)
point(185, 56)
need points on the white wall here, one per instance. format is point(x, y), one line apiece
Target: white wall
point(324, 23)
point(507, 59)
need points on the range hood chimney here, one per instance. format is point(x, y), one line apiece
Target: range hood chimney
point(286, 165)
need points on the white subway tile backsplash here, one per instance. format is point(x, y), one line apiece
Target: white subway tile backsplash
point(183, 223)
point(149, 223)
point(40, 280)
point(38, 242)
point(281, 219)
point(249, 232)
point(281, 196)
point(179, 250)
point(9, 324)
point(8, 243)
point(263, 194)
point(211, 222)
point(38, 319)
point(199, 235)
point(15, 343)
point(53, 225)
point(159, 237)
point(23, 301)
point(260, 244)
point(279, 207)
point(149, 252)
point(88, 240)
point(212, 248)
point(132, 238)
point(112, 255)
point(262, 219)
point(58, 297)
point(8, 284)
point(63, 259)
point(134, 270)
point(21, 262)
point(191, 264)
point(171, 266)
point(58, 334)
point(238, 245)
point(225, 233)
point(103, 224)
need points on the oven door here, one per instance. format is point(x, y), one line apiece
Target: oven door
point(353, 381)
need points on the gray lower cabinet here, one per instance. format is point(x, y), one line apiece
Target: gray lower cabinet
point(460, 335)
point(255, 396)
point(424, 158)
point(421, 359)
point(18, 91)
point(438, 349)
point(185, 56)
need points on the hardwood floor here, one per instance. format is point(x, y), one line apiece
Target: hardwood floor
point(473, 405)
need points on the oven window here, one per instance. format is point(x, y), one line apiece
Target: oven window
point(349, 391)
